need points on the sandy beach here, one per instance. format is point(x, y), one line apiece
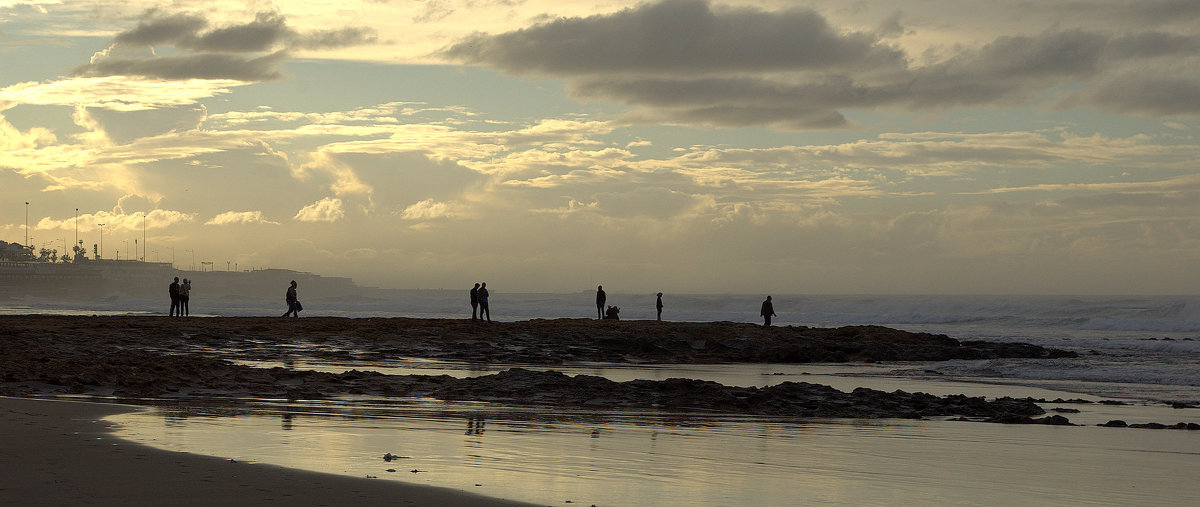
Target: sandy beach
point(62, 453)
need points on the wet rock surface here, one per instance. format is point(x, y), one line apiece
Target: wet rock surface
point(157, 357)
point(526, 342)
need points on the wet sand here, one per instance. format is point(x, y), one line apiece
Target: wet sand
point(61, 453)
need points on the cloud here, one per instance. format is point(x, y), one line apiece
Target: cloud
point(117, 93)
point(678, 36)
point(426, 210)
point(118, 221)
point(226, 52)
point(197, 66)
point(690, 62)
point(325, 210)
point(268, 32)
point(240, 217)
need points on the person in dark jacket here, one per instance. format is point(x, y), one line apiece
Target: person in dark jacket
point(173, 290)
point(292, 302)
point(474, 300)
point(658, 306)
point(767, 311)
point(600, 299)
point(483, 302)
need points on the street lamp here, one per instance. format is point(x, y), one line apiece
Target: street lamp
point(76, 226)
point(101, 256)
point(27, 225)
point(193, 252)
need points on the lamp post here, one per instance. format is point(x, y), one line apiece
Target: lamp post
point(193, 252)
point(76, 226)
point(27, 225)
point(101, 256)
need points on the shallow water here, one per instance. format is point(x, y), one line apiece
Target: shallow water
point(653, 458)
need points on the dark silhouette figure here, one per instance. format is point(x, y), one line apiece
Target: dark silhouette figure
point(483, 302)
point(768, 311)
point(613, 313)
point(600, 299)
point(474, 301)
point(185, 295)
point(658, 306)
point(173, 290)
point(292, 302)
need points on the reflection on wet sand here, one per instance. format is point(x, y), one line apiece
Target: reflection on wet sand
point(656, 458)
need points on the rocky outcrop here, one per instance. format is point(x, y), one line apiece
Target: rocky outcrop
point(160, 357)
point(545, 342)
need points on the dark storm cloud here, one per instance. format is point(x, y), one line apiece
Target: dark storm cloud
point(219, 53)
point(268, 32)
point(1144, 95)
point(686, 61)
point(678, 36)
point(199, 66)
point(170, 30)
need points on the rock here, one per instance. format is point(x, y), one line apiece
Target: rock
point(1115, 423)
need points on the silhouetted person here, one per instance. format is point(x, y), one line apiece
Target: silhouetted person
point(185, 295)
point(483, 302)
point(173, 290)
point(613, 313)
point(292, 302)
point(600, 299)
point(658, 306)
point(474, 300)
point(768, 311)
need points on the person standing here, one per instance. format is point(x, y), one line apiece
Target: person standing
point(292, 302)
point(658, 306)
point(185, 295)
point(483, 302)
point(600, 299)
point(173, 290)
point(767, 311)
point(474, 300)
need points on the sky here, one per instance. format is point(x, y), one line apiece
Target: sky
point(682, 146)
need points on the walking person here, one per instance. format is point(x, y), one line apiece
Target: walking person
point(658, 306)
point(293, 303)
point(767, 311)
point(600, 299)
point(173, 290)
point(474, 300)
point(185, 295)
point(483, 302)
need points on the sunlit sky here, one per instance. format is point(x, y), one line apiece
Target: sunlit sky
point(940, 146)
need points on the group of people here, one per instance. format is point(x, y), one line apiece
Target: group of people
point(612, 312)
point(180, 295)
point(479, 301)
